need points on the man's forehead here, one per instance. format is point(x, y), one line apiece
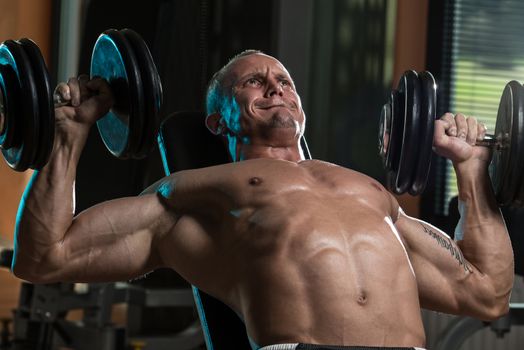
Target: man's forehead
point(255, 63)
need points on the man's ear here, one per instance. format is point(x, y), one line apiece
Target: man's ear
point(214, 123)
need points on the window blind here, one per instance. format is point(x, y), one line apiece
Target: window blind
point(484, 49)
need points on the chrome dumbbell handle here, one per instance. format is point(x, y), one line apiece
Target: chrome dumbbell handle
point(495, 141)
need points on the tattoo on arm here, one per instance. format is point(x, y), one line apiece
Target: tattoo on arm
point(446, 243)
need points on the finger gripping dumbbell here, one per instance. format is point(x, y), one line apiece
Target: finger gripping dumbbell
point(27, 101)
point(406, 138)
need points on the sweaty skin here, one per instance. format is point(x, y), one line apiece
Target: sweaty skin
point(303, 251)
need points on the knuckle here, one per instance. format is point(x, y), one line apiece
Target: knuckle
point(459, 118)
point(62, 88)
point(447, 115)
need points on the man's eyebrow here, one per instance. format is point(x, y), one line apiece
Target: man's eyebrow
point(254, 74)
point(260, 75)
point(240, 80)
point(283, 76)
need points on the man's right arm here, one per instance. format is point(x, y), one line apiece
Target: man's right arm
point(114, 240)
point(473, 276)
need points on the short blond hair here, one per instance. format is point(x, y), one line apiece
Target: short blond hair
point(217, 93)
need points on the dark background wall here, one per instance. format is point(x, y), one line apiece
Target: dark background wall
point(339, 59)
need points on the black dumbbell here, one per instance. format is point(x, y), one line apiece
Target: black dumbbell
point(406, 138)
point(27, 101)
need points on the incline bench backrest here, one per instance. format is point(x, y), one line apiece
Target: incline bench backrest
point(185, 143)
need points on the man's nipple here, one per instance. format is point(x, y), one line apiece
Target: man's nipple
point(255, 181)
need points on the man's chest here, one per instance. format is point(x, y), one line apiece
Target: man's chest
point(272, 183)
point(273, 192)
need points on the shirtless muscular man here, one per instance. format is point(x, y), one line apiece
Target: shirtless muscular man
point(303, 250)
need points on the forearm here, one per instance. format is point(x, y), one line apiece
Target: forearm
point(485, 243)
point(114, 240)
point(47, 206)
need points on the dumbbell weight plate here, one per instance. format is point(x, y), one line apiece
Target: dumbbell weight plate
point(384, 132)
point(388, 127)
point(519, 197)
point(392, 118)
point(21, 156)
point(409, 90)
point(135, 88)
point(113, 60)
point(9, 136)
point(517, 143)
point(3, 120)
point(428, 103)
point(152, 91)
point(506, 168)
point(46, 132)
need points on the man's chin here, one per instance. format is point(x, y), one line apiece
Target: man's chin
point(282, 127)
point(282, 121)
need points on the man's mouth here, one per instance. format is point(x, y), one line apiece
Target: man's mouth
point(274, 105)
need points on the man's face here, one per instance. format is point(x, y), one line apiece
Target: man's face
point(266, 96)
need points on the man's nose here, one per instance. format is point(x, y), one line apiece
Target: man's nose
point(274, 88)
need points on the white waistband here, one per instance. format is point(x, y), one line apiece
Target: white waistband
point(280, 347)
point(294, 346)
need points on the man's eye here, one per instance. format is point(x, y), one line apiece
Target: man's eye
point(253, 82)
point(286, 84)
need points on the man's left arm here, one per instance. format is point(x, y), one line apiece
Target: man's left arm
point(473, 275)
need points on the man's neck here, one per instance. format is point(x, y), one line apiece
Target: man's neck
point(291, 153)
point(275, 143)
